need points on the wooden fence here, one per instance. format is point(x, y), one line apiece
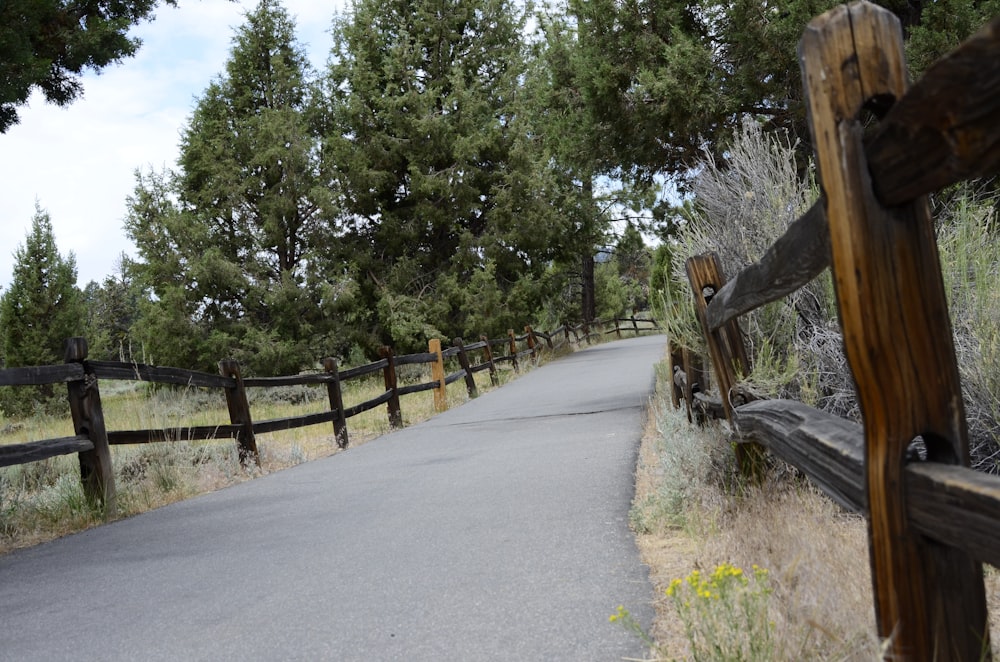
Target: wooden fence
point(92, 440)
point(931, 522)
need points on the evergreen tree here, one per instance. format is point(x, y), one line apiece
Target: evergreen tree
point(112, 311)
point(40, 310)
point(438, 182)
point(666, 79)
point(234, 245)
point(48, 44)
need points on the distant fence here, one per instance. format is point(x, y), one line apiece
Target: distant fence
point(92, 440)
point(932, 522)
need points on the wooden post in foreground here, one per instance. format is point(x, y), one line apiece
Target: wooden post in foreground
point(463, 360)
point(437, 375)
point(336, 401)
point(239, 412)
point(391, 386)
point(96, 472)
point(488, 351)
point(930, 601)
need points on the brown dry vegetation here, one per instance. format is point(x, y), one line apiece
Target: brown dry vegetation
point(43, 500)
point(691, 514)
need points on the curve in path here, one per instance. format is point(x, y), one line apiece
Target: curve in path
point(495, 531)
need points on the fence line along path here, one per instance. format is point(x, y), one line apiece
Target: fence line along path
point(497, 530)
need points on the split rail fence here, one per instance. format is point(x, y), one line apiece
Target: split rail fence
point(92, 440)
point(931, 522)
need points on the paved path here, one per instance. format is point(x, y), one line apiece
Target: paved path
point(495, 531)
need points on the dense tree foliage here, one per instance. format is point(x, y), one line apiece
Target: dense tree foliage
point(443, 224)
point(234, 244)
point(449, 173)
point(47, 44)
point(667, 79)
point(38, 312)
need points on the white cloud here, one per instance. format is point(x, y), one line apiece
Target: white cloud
point(78, 162)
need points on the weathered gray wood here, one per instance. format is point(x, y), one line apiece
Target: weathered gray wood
point(139, 372)
point(41, 375)
point(96, 471)
point(454, 377)
point(34, 451)
point(710, 406)
point(187, 433)
point(946, 128)
point(451, 352)
point(930, 599)
point(827, 448)
point(954, 505)
point(239, 412)
point(957, 506)
point(800, 255)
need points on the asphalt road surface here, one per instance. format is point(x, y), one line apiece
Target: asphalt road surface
point(495, 531)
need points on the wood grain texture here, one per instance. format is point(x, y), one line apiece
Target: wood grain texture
point(897, 336)
point(946, 128)
point(437, 375)
point(800, 255)
point(827, 448)
point(957, 506)
point(463, 360)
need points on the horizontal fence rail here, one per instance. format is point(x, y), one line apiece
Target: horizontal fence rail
point(931, 522)
point(93, 441)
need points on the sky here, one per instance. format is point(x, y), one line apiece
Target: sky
point(78, 162)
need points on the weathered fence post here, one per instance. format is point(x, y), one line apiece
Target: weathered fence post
point(726, 349)
point(336, 401)
point(392, 386)
point(586, 332)
point(532, 341)
point(618, 329)
point(437, 375)
point(635, 325)
point(96, 471)
point(929, 598)
point(239, 412)
point(512, 349)
point(463, 360)
point(566, 334)
point(494, 378)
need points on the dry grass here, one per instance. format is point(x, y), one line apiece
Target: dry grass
point(41, 501)
point(816, 553)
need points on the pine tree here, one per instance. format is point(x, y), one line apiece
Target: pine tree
point(424, 138)
point(234, 243)
point(40, 310)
